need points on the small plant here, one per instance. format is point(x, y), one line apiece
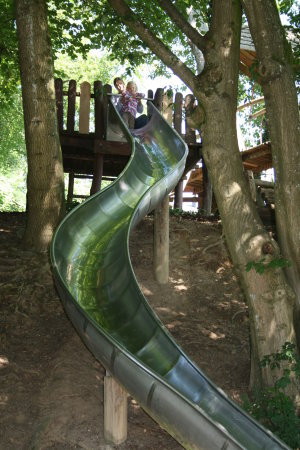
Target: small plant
point(261, 266)
point(271, 406)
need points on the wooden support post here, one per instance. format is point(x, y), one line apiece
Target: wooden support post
point(70, 187)
point(161, 223)
point(84, 110)
point(59, 103)
point(115, 411)
point(150, 95)
point(178, 195)
point(178, 112)
point(71, 106)
point(97, 175)
point(161, 242)
point(107, 90)
point(207, 191)
point(99, 118)
point(159, 99)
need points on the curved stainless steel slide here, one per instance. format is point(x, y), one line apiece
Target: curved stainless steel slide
point(100, 294)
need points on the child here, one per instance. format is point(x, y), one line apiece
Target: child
point(130, 101)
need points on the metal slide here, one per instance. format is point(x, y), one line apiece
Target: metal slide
point(101, 296)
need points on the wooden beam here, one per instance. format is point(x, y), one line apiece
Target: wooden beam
point(257, 114)
point(97, 175)
point(90, 143)
point(71, 106)
point(115, 411)
point(178, 195)
point(264, 183)
point(253, 102)
point(178, 112)
point(59, 103)
point(79, 157)
point(84, 109)
point(161, 242)
point(70, 187)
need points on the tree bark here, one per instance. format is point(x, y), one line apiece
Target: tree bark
point(269, 297)
point(45, 180)
point(278, 84)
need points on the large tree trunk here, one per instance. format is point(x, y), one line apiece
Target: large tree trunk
point(278, 84)
point(45, 181)
point(269, 296)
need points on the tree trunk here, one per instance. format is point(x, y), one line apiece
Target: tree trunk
point(278, 84)
point(269, 297)
point(45, 180)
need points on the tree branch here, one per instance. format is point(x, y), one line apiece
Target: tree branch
point(131, 19)
point(197, 39)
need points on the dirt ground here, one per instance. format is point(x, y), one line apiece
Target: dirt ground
point(51, 387)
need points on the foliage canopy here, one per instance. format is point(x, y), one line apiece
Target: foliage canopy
point(78, 27)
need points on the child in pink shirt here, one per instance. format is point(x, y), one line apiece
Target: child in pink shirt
point(129, 103)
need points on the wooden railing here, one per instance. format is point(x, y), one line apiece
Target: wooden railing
point(88, 114)
point(81, 116)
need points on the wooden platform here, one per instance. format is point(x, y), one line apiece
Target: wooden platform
point(256, 159)
point(82, 120)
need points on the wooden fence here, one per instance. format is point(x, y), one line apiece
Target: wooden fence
point(81, 116)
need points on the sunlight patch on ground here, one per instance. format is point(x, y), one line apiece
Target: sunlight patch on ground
point(2, 230)
point(181, 287)
point(3, 362)
point(145, 290)
point(3, 399)
point(162, 309)
point(174, 324)
point(237, 302)
point(179, 284)
point(215, 336)
point(224, 305)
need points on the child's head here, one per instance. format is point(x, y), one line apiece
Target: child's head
point(119, 85)
point(131, 87)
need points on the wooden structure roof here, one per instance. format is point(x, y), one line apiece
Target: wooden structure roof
point(247, 49)
point(247, 52)
point(258, 158)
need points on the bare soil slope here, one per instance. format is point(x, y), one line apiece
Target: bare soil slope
point(51, 387)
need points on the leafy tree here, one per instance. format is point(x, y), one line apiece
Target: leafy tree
point(9, 69)
point(93, 67)
point(12, 155)
point(13, 189)
point(291, 10)
point(45, 186)
point(12, 139)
